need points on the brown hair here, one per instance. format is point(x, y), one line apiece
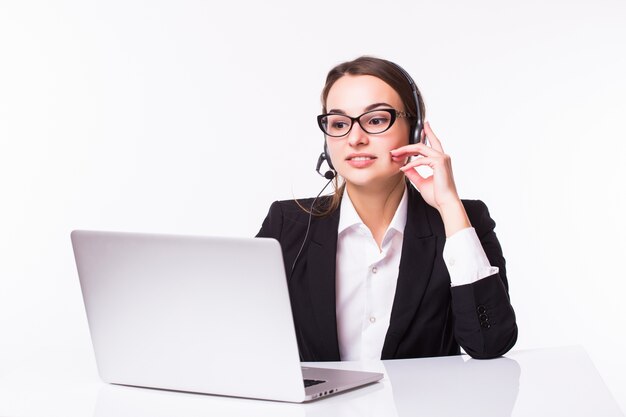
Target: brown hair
point(389, 73)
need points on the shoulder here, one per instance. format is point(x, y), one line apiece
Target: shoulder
point(295, 210)
point(479, 215)
point(476, 207)
point(476, 210)
point(290, 216)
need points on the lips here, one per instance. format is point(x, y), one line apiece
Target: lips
point(360, 160)
point(360, 157)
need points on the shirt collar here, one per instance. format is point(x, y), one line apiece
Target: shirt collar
point(349, 217)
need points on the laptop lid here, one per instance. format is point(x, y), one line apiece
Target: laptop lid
point(197, 314)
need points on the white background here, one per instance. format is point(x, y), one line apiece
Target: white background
point(193, 116)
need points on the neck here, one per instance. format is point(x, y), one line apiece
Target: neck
point(377, 206)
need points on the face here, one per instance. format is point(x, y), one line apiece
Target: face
point(363, 159)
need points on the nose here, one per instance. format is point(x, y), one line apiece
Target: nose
point(357, 136)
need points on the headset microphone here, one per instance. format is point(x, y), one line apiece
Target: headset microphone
point(330, 174)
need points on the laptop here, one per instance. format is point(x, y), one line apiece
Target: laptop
point(197, 314)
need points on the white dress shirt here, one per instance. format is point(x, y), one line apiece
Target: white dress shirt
point(366, 276)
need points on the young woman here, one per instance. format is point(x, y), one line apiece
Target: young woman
point(393, 264)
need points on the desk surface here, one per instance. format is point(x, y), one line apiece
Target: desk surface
point(541, 382)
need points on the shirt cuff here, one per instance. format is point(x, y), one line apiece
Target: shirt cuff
point(465, 258)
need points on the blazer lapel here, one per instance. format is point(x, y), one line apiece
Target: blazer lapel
point(322, 254)
point(419, 248)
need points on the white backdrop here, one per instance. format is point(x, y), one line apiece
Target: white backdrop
point(193, 116)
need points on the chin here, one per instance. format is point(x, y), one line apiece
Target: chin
point(366, 179)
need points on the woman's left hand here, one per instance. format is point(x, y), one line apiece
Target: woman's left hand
point(439, 189)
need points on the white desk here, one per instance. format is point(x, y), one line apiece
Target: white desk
point(542, 382)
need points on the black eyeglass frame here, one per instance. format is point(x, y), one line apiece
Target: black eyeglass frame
point(393, 115)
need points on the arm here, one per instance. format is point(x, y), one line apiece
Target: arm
point(485, 325)
point(484, 321)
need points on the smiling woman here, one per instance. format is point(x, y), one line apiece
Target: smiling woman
point(392, 264)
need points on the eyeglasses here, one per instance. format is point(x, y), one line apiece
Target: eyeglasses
point(372, 122)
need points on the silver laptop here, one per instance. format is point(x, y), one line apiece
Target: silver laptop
point(197, 314)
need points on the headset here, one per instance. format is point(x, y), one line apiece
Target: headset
point(415, 134)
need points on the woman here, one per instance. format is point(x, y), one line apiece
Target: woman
point(393, 264)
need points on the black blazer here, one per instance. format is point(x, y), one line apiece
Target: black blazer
point(428, 317)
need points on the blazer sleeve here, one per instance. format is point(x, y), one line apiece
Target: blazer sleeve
point(484, 320)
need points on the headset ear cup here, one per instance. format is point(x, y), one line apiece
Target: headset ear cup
point(419, 132)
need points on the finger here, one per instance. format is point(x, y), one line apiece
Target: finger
point(416, 178)
point(432, 138)
point(413, 150)
point(418, 162)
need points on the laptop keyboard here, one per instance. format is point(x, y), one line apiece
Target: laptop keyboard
point(311, 382)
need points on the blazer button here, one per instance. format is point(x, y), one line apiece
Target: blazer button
point(481, 309)
point(483, 317)
point(485, 324)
